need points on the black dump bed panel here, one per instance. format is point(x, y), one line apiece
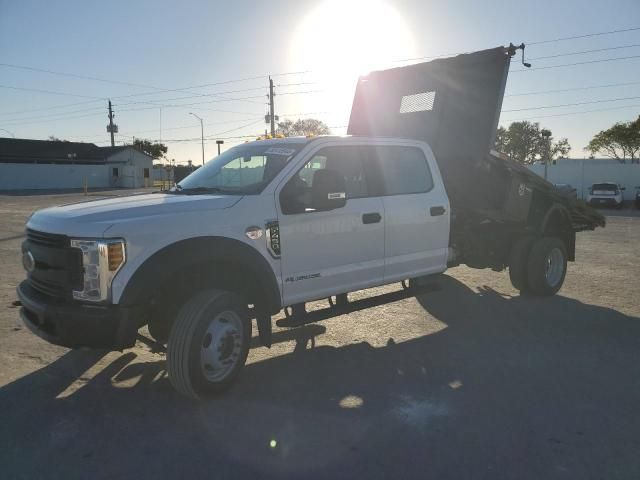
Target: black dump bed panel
point(454, 105)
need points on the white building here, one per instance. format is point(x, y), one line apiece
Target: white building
point(581, 173)
point(43, 164)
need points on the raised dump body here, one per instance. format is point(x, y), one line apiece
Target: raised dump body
point(454, 105)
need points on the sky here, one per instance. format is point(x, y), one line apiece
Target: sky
point(159, 61)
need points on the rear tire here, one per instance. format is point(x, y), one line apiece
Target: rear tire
point(209, 343)
point(547, 266)
point(518, 259)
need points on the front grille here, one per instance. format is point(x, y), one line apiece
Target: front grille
point(47, 239)
point(58, 267)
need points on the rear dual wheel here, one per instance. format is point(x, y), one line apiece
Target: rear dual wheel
point(538, 266)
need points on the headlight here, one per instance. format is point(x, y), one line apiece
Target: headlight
point(101, 260)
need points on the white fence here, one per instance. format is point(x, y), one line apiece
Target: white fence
point(29, 176)
point(16, 176)
point(581, 174)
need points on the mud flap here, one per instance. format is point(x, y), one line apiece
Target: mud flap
point(264, 329)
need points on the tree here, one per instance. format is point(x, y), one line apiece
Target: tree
point(523, 142)
point(53, 138)
point(621, 141)
point(153, 149)
point(303, 127)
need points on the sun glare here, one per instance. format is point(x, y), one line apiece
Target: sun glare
point(342, 39)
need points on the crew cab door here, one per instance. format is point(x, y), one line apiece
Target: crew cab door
point(325, 252)
point(416, 212)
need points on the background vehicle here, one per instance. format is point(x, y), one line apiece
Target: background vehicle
point(276, 223)
point(638, 197)
point(605, 194)
point(567, 190)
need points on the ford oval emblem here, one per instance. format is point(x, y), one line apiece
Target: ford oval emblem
point(28, 262)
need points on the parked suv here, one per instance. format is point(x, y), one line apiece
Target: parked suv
point(605, 194)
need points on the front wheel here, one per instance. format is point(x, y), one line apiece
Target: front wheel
point(209, 343)
point(546, 266)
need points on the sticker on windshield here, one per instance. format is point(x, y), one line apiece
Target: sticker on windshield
point(280, 151)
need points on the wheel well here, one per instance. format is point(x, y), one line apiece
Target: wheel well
point(204, 262)
point(172, 292)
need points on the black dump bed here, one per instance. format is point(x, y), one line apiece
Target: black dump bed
point(454, 105)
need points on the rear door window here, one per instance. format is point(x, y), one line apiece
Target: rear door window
point(404, 170)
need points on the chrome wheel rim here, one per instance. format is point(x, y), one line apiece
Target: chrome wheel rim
point(221, 346)
point(554, 267)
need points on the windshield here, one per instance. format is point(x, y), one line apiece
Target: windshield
point(245, 169)
point(605, 187)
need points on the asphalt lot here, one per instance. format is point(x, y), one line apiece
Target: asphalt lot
point(469, 381)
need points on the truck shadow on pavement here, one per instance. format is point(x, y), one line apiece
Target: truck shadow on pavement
point(512, 387)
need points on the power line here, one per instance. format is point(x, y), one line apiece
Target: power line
point(540, 42)
point(53, 119)
point(158, 90)
point(214, 135)
point(66, 105)
point(186, 126)
point(584, 51)
point(572, 89)
point(574, 64)
point(562, 39)
point(566, 114)
point(73, 75)
point(212, 94)
point(571, 104)
point(297, 93)
point(50, 92)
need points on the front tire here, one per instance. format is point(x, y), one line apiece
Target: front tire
point(209, 343)
point(547, 266)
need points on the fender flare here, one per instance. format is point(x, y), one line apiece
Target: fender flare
point(159, 267)
point(569, 235)
point(556, 207)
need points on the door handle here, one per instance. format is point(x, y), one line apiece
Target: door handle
point(436, 211)
point(371, 217)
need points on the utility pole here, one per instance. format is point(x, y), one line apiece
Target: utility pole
point(272, 116)
point(546, 134)
point(202, 135)
point(111, 128)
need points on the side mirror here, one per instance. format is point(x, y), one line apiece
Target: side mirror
point(328, 190)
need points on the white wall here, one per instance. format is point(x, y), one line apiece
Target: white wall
point(26, 176)
point(581, 174)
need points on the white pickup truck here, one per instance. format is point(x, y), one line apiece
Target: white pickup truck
point(273, 224)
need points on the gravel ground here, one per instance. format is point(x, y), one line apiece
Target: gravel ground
point(469, 381)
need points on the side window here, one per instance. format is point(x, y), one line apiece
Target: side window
point(347, 160)
point(404, 170)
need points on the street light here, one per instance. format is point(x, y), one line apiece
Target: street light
point(219, 142)
point(201, 133)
